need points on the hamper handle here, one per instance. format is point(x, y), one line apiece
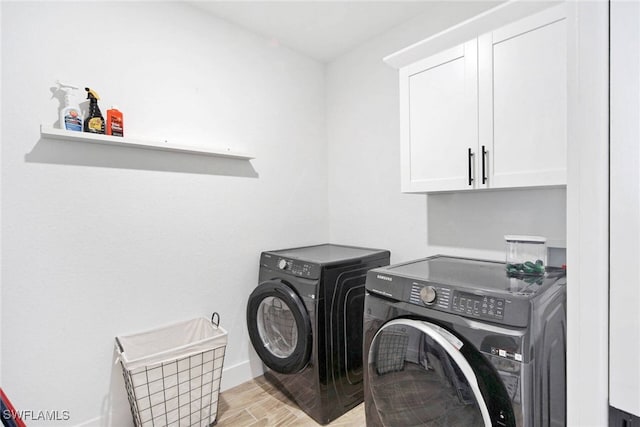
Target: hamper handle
point(213, 316)
point(119, 345)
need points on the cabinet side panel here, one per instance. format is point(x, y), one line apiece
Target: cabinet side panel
point(624, 292)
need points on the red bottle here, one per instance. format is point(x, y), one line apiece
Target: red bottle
point(115, 124)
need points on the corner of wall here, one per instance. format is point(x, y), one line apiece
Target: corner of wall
point(1, 299)
point(325, 136)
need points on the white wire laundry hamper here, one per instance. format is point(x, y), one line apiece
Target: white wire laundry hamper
point(172, 374)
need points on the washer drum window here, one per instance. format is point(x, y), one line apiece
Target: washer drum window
point(277, 327)
point(418, 377)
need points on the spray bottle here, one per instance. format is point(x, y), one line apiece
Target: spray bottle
point(94, 122)
point(70, 115)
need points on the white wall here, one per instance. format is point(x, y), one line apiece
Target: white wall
point(366, 206)
point(99, 241)
point(624, 294)
point(0, 208)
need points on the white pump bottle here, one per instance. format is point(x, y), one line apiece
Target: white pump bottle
point(70, 115)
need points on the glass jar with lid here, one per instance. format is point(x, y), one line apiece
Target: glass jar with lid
point(525, 255)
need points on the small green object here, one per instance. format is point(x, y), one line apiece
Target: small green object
point(512, 270)
point(528, 268)
point(530, 280)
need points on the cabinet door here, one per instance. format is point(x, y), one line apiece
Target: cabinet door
point(438, 98)
point(523, 101)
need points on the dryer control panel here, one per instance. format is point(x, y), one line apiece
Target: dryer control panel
point(291, 266)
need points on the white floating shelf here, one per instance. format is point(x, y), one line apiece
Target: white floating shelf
point(51, 132)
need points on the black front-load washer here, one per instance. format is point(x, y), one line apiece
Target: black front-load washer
point(305, 323)
point(459, 342)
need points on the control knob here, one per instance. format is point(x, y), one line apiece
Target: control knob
point(282, 264)
point(428, 294)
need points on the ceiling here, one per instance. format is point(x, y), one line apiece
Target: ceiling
point(322, 30)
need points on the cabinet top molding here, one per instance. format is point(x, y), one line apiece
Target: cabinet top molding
point(487, 21)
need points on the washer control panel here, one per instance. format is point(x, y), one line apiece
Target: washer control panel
point(472, 305)
point(430, 295)
point(473, 289)
point(482, 306)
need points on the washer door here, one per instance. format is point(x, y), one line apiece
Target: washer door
point(417, 376)
point(279, 327)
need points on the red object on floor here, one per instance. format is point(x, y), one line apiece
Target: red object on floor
point(15, 417)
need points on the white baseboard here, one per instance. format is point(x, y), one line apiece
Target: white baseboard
point(240, 373)
point(95, 422)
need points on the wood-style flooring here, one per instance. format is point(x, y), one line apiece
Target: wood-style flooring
point(258, 403)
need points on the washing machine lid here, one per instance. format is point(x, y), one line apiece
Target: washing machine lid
point(421, 374)
point(472, 274)
point(328, 253)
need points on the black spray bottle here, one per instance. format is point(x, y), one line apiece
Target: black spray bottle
point(94, 122)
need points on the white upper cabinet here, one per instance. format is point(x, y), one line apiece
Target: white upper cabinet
point(488, 113)
point(439, 114)
point(523, 101)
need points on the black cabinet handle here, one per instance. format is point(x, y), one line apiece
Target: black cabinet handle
point(484, 174)
point(470, 156)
